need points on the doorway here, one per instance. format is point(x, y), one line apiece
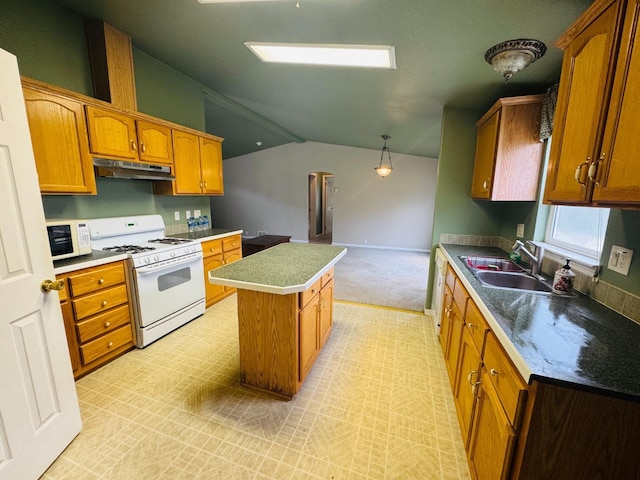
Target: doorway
point(320, 207)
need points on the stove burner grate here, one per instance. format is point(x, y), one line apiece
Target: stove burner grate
point(128, 249)
point(171, 241)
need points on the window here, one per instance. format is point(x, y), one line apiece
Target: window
point(580, 229)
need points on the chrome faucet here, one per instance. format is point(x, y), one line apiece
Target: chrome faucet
point(534, 258)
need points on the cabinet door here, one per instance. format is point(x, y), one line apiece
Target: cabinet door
point(154, 142)
point(486, 145)
point(452, 354)
point(326, 313)
point(467, 383)
point(445, 320)
point(211, 166)
point(213, 292)
point(492, 437)
point(60, 144)
point(112, 134)
point(619, 178)
point(581, 105)
point(72, 339)
point(308, 342)
point(186, 159)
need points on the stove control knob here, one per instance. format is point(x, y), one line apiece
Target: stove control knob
point(156, 258)
point(173, 254)
point(147, 260)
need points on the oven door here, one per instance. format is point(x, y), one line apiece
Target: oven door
point(166, 287)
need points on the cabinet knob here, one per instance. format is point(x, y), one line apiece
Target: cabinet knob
point(205, 184)
point(313, 291)
point(485, 185)
point(101, 281)
point(471, 326)
point(110, 344)
point(107, 324)
point(104, 303)
point(494, 372)
point(134, 146)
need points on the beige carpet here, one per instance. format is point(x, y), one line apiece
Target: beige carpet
point(390, 278)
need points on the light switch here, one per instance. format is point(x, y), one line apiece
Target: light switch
point(196, 213)
point(620, 259)
point(520, 230)
point(176, 215)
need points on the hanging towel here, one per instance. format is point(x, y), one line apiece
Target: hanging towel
point(548, 112)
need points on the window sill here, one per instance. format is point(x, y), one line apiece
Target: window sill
point(579, 263)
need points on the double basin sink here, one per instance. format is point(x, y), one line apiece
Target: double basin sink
point(500, 272)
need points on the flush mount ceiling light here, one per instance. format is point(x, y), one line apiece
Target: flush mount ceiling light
point(383, 169)
point(234, 1)
point(372, 56)
point(508, 58)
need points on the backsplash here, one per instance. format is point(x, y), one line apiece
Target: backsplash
point(620, 301)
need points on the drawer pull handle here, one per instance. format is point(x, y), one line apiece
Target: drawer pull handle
point(110, 344)
point(104, 303)
point(470, 377)
point(313, 291)
point(134, 146)
point(494, 372)
point(107, 324)
point(579, 171)
point(474, 389)
point(101, 281)
point(143, 148)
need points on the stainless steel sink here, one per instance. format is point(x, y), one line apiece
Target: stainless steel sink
point(490, 263)
point(516, 281)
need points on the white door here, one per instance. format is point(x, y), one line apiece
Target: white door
point(39, 412)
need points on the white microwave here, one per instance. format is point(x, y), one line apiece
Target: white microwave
point(68, 238)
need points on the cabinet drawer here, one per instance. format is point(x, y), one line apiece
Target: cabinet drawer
point(103, 323)
point(231, 243)
point(96, 279)
point(460, 295)
point(106, 344)
point(476, 324)
point(307, 295)
point(510, 386)
point(327, 277)
point(450, 278)
point(212, 247)
point(100, 301)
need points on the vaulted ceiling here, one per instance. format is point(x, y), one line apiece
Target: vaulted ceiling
point(440, 46)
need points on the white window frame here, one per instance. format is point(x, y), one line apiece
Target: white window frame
point(571, 247)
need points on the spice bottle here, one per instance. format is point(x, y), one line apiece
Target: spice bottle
point(563, 280)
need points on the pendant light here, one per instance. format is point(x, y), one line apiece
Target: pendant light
point(383, 169)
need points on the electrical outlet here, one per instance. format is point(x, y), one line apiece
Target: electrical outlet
point(520, 230)
point(187, 214)
point(620, 259)
point(197, 213)
point(261, 233)
point(176, 215)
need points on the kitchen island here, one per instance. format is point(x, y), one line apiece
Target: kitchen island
point(285, 298)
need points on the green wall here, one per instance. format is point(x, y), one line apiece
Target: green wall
point(623, 230)
point(50, 44)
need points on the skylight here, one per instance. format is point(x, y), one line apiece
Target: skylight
point(371, 56)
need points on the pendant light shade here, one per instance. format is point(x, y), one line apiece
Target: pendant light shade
point(384, 168)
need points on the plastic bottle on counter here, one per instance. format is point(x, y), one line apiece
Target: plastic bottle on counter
point(563, 280)
point(207, 223)
point(191, 224)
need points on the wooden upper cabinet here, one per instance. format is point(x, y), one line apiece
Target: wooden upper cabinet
point(186, 158)
point(596, 138)
point(198, 166)
point(112, 134)
point(154, 142)
point(211, 166)
point(508, 150)
point(617, 179)
point(58, 135)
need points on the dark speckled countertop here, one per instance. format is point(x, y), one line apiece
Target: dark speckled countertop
point(573, 341)
point(209, 234)
point(283, 269)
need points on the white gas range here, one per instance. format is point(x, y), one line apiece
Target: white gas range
point(166, 274)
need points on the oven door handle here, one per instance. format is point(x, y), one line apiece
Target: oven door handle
point(168, 264)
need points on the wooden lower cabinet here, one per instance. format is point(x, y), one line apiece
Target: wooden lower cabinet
point(281, 336)
point(216, 253)
point(466, 388)
point(97, 316)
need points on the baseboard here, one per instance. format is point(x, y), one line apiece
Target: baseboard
point(381, 247)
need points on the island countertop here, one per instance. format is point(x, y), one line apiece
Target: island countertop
point(283, 269)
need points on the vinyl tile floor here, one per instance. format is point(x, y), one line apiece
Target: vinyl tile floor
point(376, 405)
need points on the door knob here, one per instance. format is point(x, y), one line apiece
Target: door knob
point(49, 285)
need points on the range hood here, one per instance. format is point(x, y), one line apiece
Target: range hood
point(134, 170)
